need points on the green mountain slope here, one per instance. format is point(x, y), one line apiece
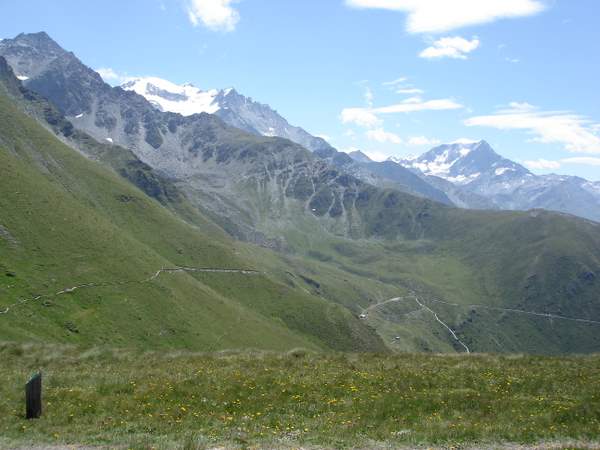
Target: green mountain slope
point(426, 276)
point(67, 222)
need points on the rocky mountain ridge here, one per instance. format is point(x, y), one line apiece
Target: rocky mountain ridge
point(235, 109)
point(472, 175)
point(475, 168)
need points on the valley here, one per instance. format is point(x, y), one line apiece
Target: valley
point(261, 264)
point(306, 221)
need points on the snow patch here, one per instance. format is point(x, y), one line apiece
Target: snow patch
point(184, 99)
point(79, 116)
point(270, 132)
point(464, 179)
point(503, 170)
point(440, 166)
point(109, 140)
point(22, 77)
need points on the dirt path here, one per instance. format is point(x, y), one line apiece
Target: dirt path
point(456, 338)
point(423, 306)
point(378, 305)
point(178, 269)
point(520, 311)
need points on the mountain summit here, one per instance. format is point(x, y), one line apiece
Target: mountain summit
point(235, 109)
point(473, 175)
point(186, 99)
point(463, 163)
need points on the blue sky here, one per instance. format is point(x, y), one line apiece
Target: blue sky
point(389, 77)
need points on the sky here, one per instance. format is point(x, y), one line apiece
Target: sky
point(388, 77)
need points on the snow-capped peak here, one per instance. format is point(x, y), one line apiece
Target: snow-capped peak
point(403, 161)
point(184, 99)
point(464, 161)
point(233, 108)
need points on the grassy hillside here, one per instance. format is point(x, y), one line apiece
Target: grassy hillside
point(67, 221)
point(486, 281)
point(270, 400)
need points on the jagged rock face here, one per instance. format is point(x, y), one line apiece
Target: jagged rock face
point(245, 181)
point(259, 119)
point(244, 113)
point(144, 124)
point(37, 60)
point(235, 109)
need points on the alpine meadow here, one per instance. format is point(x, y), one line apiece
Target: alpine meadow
point(187, 267)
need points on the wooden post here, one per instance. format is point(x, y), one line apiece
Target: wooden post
point(33, 397)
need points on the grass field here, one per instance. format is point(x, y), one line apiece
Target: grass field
point(128, 399)
point(67, 221)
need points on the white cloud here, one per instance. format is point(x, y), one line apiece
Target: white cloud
point(439, 16)
point(450, 47)
point(542, 164)
point(216, 15)
point(400, 86)
point(363, 117)
point(369, 117)
point(382, 136)
point(395, 82)
point(410, 91)
point(417, 104)
point(419, 141)
point(583, 160)
point(574, 132)
point(521, 106)
point(110, 76)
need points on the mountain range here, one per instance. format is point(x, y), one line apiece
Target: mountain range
point(346, 252)
point(478, 176)
point(507, 185)
point(473, 175)
point(235, 109)
point(244, 113)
